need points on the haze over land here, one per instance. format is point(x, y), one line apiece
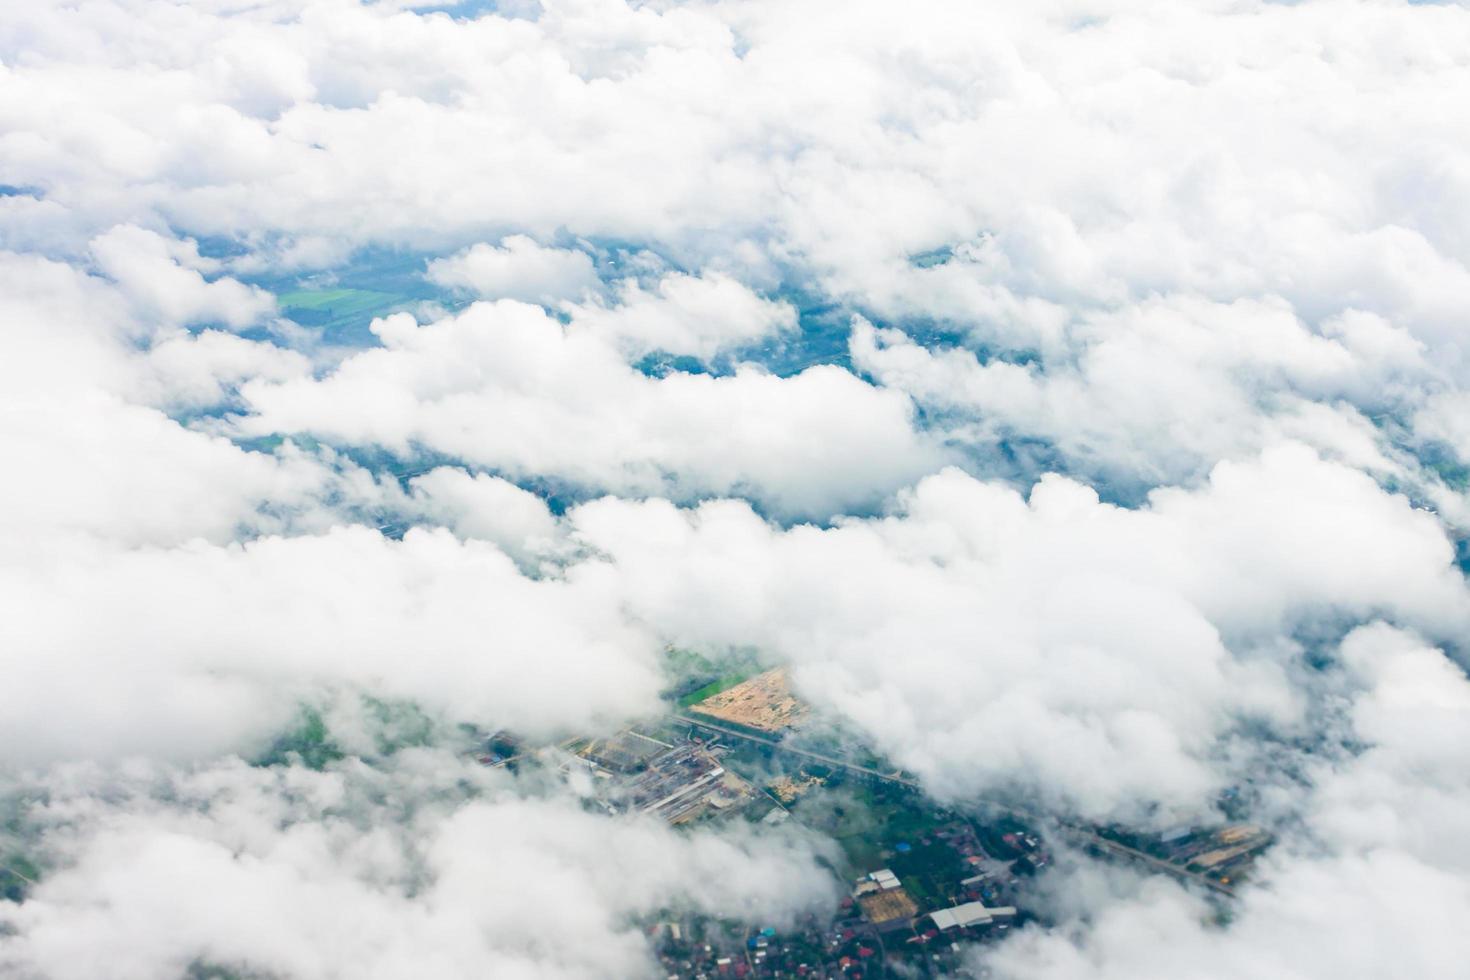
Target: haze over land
point(1071, 396)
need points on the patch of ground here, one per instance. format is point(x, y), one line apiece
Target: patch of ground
point(764, 703)
point(787, 789)
point(887, 906)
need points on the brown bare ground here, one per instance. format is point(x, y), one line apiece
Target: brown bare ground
point(764, 702)
point(887, 906)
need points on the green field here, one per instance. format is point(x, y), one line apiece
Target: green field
point(867, 822)
point(342, 314)
point(685, 669)
point(714, 687)
point(338, 302)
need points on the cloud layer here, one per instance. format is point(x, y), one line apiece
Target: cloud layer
point(372, 872)
point(1072, 393)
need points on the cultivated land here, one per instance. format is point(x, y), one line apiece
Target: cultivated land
point(341, 314)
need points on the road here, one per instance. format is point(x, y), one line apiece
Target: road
point(779, 746)
point(1076, 832)
point(1093, 839)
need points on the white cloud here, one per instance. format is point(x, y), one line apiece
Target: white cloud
point(505, 386)
point(1216, 251)
point(1381, 852)
point(317, 875)
point(164, 278)
point(221, 641)
point(1095, 655)
point(1445, 418)
point(517, 269)
point(698, 316)
point(89, 451)
point(1298, 150)
point(1160, 391)
point(490, 509)
point(200, 371)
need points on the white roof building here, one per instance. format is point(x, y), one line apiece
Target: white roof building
point(970, 914)
point(885, 879)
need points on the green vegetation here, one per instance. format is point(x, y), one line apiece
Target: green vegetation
point(924, 869)
point(17, 873)
point(200, 970)
point(402, 725)
point(335, 303)
point(992, 837)
point(692, 676)
point(307, 744)
point(394, 725)
point(1446, 465)
point(343, 314)
point(714, 687)
point(867, 821)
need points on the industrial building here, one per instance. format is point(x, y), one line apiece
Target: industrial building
point(970, 914)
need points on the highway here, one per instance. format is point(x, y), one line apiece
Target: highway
point(1158, 864)
point(1076, 832)
point(779, 746)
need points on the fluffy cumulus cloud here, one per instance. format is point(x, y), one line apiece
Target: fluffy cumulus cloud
point(504, 385)
point(164, 279)
point(1290, 149)
point(369, 872)
point(517, 269)
point(1073, 393)
point(1098, 654)
point(1162, 390)
point(85, 381)
point(1381, 848)
point(216, 640)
